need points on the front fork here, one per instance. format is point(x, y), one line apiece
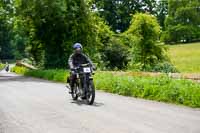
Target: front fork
point(79, 83)
point(86, 79)
point(83, 82)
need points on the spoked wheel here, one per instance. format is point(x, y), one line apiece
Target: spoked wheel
point(75, 92)
point(90, 96)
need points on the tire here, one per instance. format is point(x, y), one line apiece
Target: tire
point(90, 96)
point(74, 92)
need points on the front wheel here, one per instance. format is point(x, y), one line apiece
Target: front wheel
point(90, 96)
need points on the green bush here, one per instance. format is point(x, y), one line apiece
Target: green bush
point(2, 66)
point(19, 70)
point(164, 67)
point(160, 88)
point(115, 54)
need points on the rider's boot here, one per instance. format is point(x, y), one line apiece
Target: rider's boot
point(69, 88)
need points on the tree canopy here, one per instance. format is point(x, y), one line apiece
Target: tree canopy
point(144, 31)
point(118, 12)
point(53, 27)
point(6, 12)
point(114, 33)
point(183, 21)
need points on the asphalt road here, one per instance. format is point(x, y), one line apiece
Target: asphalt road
point(29, 105)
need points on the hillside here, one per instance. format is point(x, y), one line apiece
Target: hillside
point(186, 57)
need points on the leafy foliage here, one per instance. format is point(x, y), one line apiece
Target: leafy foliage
point(164, 67)
point(6, 12)
point(118, 12)
point(162, 12)
point(144, 33)
point(45, 30)
point(115, 54)
point(183, 21)
point(2, 66)
point(53, 27)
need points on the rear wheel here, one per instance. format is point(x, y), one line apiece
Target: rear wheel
point(90, 96)
point(75, 91)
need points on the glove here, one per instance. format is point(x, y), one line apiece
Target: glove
point(72, 70)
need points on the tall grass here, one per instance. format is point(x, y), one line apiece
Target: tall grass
point(54, 75)
point(186, 57)
point(160, 88)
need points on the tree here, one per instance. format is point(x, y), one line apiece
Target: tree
point(54, 26)
point(19, 38)
point(162, 12)
point(182, 24)
point(144, 32)
point(82, 26)
point(118, 12)
point(6, 12)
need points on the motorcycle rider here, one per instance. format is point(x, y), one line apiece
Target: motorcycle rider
point(7, 67)
point(75, 60)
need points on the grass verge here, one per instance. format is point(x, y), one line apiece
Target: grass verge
point(186, 57)
point(161, 88)
point(53, 75)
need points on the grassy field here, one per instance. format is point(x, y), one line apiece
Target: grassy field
point(159, 88)
point(186, 57)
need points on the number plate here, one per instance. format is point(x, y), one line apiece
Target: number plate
point(86, 70)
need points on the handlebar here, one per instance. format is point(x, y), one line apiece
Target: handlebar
point(83, 65)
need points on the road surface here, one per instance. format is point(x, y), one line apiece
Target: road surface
point(29, 105)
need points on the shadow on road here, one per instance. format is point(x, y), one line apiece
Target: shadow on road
point(82, 102)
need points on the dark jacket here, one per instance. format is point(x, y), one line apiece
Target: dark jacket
point(76, 60)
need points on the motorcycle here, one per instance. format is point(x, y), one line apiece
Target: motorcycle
point(84, 85)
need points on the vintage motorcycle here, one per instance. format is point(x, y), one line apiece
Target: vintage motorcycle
point(84, 85)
